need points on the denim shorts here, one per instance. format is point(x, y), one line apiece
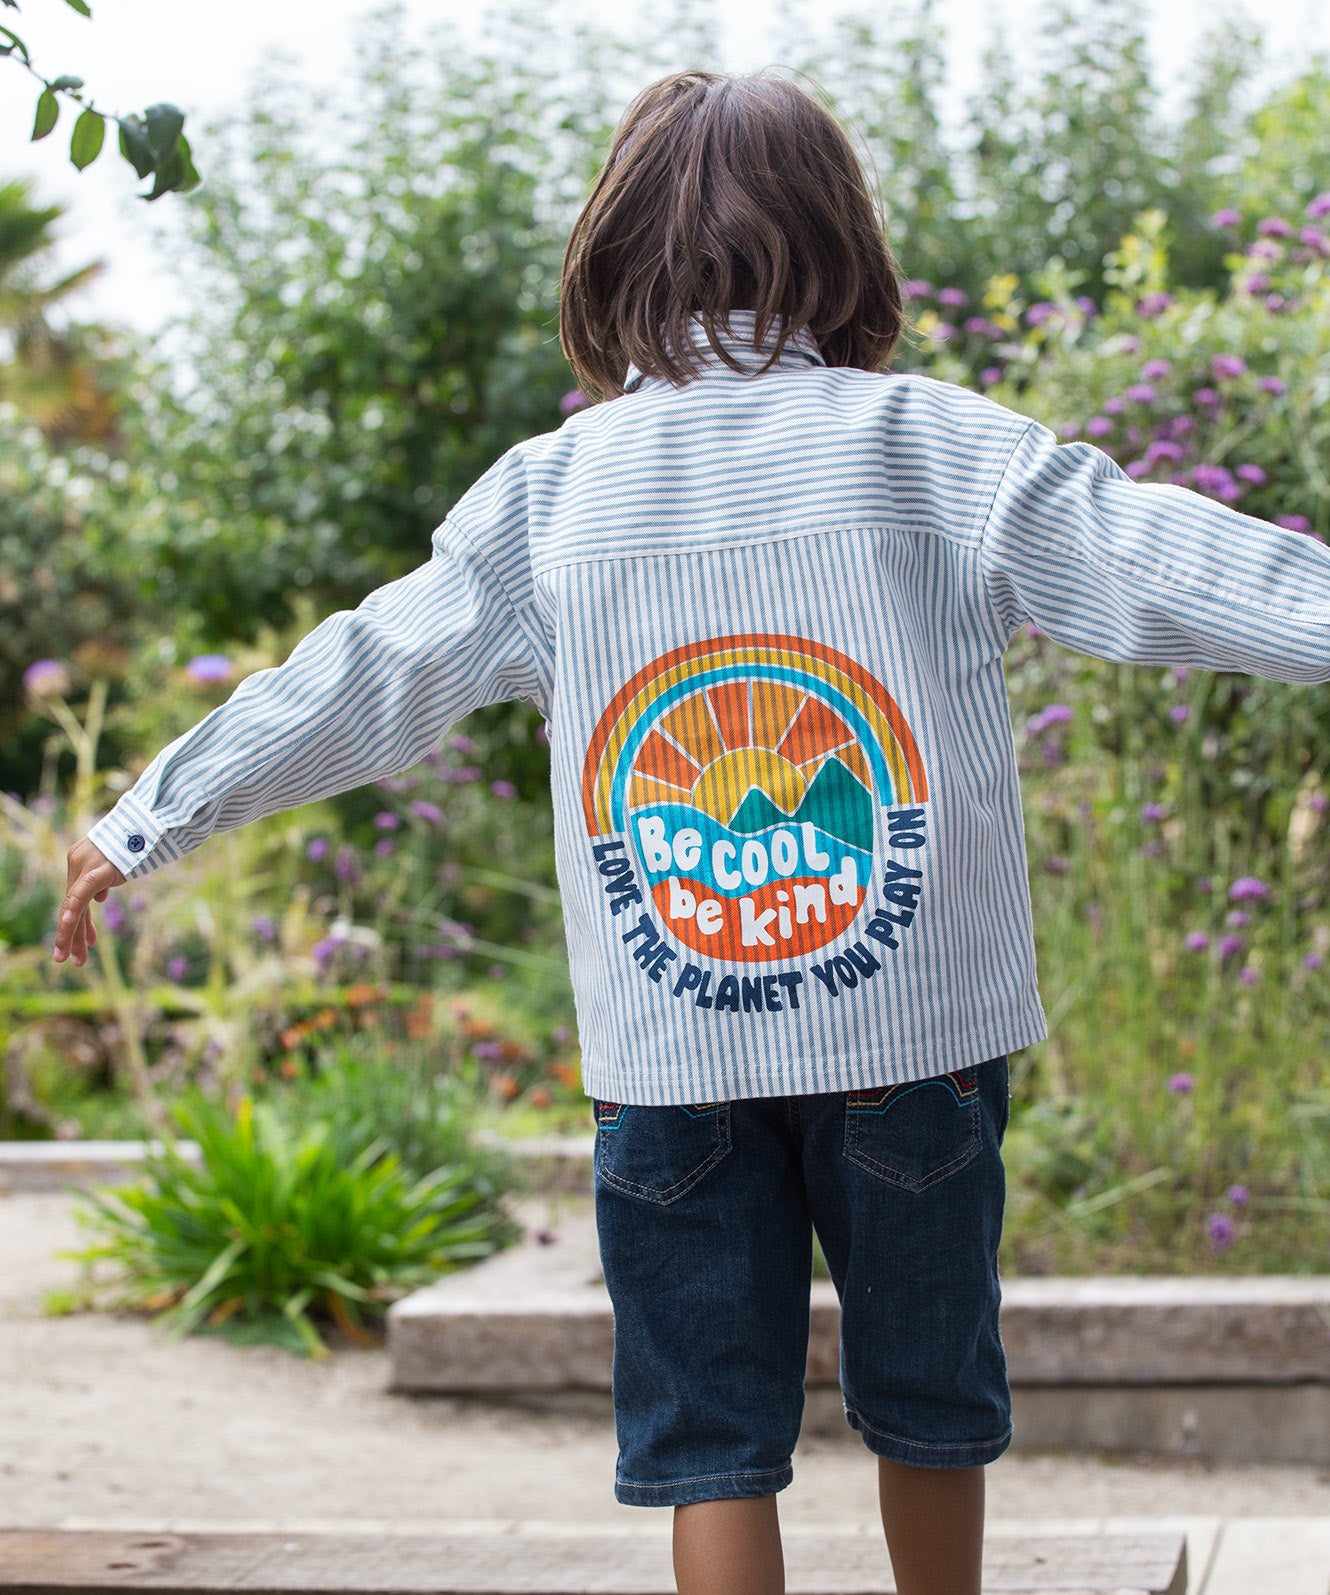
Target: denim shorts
point(705, 1214)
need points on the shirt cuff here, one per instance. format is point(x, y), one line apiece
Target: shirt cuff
point(133, 839)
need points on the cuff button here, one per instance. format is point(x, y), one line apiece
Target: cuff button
point(135, 844)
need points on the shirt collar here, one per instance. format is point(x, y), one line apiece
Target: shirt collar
point(800, 350)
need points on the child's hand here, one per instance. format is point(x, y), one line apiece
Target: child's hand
point(91, 876)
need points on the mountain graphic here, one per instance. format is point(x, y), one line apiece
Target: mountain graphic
point(836, 802)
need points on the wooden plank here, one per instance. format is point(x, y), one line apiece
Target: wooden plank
point(52, 1561)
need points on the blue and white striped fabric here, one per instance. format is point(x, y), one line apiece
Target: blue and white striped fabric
point(764, 616)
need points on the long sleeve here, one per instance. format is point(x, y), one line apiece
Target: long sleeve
point(367, 693)
point(1150, 573)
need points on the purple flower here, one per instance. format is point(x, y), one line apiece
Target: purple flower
point(1151, 849)
point(543, 734)
point(1247, 886)
point(977, 325)
point(1272, 385)
point(462, 744)
point(1141, 393)
point(1153, 811)
point(1164, 450)
point(46, 678)
point(264, 928)
point(503, 789)
point(1153, 304)
point(1221, 1230)
point(1181, 425)
point(1098, 426)
point(207, 668)
point(1086, 305)
point(1251, 473)
point(1068, 429)
point(113, 914)
point(1213, 478)
point(325, 950)
point(1032, 630)
point(1319, 802)
point(177, 968)
point(487, 1051)
point(1204, 883)
point(1179, 712)
point(346, 866)
point(1054, 714)
point(1237, 918)
point(1249, 976)
point(1275, 302)
point(1257, 283)
point(1040, 312)
point(384, 847)
point(1225, 218)
point(1311, 960)
point(576, 400)
point(1137, 469)
point(1294, 523)
point(1238, 1195)
point(430, 812)
point(1057, 865)
point(1266, 249)
point(1229, 945)
point(1228, 365)
point(1205, 397)
point(916, 287)
point(942, 331)
point(1274, 227)
point(1196, 941)
point(989, 375)
point(1152, 370)
point(954, 297)
point(387, 821)
point(1180, 1084)
point(317, 849)
point(1320, 206)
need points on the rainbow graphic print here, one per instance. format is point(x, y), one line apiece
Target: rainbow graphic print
point(750, 773)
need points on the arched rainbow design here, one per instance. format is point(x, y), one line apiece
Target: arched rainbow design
point(776, 696)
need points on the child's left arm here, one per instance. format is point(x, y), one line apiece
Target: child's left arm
point(367, 693)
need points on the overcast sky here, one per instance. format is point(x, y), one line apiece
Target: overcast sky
point(201, 56)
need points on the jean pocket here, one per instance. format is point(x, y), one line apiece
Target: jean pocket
point(659, 1153)
point(916, 1132)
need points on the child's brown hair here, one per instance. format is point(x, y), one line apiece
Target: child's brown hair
point(721, 192)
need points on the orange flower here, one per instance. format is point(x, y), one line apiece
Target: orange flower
point(505, 1085)
point(324, 1019)
point(568, 1073)
point(541, 1098)
point(362, 992)
point(289, 1068)
point(293, 1035)
point(420, 1017)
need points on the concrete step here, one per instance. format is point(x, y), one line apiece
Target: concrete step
point(546, 1560)
point(1226, 1368)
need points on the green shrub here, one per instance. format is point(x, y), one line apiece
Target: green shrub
point(272, 1228)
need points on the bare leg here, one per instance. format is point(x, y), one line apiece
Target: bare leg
point(729, 1547)
point(934, 1521)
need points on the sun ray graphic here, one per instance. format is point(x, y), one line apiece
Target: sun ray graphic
point(724, 741)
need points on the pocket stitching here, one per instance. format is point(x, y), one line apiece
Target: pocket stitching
point(671, 1193)
point(900, 1177)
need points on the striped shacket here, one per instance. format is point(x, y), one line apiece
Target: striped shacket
point(764, 615)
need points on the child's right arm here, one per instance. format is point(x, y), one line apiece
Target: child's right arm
point(1149, 573)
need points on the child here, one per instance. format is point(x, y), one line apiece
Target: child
point(762, 599)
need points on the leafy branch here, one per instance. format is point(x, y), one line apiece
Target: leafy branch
point(153, 143)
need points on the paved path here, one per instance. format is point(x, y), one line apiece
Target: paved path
point(107, 1425)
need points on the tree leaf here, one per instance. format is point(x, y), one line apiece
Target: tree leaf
point(48, 111)
point(86, 143)
point(67, 83)
point(164, 126)
point(15, 43)
point(81, 6)
point(134, 144)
